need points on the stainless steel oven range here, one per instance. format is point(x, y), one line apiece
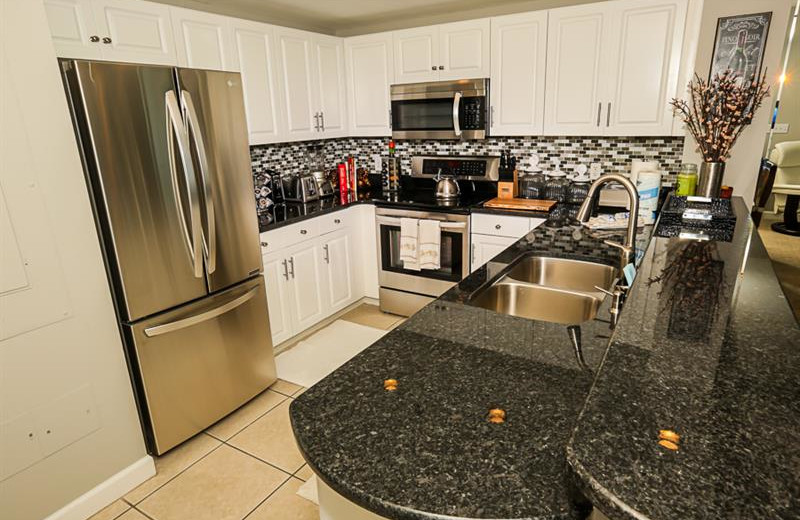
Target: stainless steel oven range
point(403, 291)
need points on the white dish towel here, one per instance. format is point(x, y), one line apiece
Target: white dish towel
point(409, 243)
point(430, 243)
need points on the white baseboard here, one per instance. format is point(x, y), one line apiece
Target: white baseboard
point(107, 491)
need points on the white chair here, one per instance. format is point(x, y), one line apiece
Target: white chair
point(786, 156)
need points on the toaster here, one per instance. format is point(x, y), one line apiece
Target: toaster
point(300, 188)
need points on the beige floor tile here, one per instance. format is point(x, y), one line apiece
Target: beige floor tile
point(225, 485)
point(304, 473)
point(238, 420)
point(285, 387)
point(175, 461)
point(299, 392)
point(270, 438)
point(133, 514)
point(285, 504)
point(371, 316)
point(111, 511)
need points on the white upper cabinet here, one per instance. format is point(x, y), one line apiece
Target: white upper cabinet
point(73, 29)
point(370, 72)
point(203, 40)
point(575, 54)
point(519, 53)
point(416, 55)
point(464, 50)
point(643, 66)
point(139, 32)
point(255, 49)
point(613, 66)
point(298, 93)
point(457, 50)
point(329, 80)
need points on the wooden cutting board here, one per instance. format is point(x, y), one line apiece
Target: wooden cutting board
point(520, 204)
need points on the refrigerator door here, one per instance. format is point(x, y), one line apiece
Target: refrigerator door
point(199, 362)
point(213, 106)
point(129, 124)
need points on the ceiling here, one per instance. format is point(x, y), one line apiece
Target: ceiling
point(350, 17)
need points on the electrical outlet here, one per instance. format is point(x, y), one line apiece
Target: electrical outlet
point(376, 163)
point(781, 128)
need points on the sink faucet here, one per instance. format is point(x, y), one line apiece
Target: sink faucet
point(628, 249)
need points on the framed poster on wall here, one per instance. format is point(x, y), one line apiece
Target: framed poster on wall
point(739, 44)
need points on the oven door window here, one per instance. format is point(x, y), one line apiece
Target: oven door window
point(423, 114)
point(450, 255)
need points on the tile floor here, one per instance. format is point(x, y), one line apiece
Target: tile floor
point(245, 466)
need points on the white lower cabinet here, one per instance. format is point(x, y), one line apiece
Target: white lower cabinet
point(486, 247)
point(309, 304)
point(276, 277)
point(491, 234)
point(339, 279)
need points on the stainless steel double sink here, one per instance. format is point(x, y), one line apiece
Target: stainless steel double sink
point(557, 290)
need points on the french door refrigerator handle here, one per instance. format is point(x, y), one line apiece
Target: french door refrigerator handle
point(456, 103)
point(210, 241)
point(199, 318)
point(176, 128)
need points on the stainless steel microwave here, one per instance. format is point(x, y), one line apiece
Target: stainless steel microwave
point(441, 110)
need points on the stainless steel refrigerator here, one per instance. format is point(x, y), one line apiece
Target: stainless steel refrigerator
point(167, 163)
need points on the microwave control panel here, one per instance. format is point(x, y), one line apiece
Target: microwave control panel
point(472, 115)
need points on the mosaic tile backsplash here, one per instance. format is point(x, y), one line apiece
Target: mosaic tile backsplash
point(613, 153)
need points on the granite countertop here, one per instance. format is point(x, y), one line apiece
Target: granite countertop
point(575, 433)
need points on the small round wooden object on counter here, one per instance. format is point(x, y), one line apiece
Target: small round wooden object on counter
point(669, 435)
point(497, 416)
point(390, 385)
point(667, 444)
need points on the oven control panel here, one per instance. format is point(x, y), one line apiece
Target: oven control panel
point(476, 168)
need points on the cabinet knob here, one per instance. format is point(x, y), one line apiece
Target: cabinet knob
point(106, 40)
point(264, 244)
point(337, 221)
point(94, 39)
point(497, 226)
point(433, 67)
point(303, 231)
point(441, 67)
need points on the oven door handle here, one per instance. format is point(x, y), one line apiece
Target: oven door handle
point(456, 105)
point(394, 221)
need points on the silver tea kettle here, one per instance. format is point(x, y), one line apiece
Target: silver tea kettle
point(446, 186)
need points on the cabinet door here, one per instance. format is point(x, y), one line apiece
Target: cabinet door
point(486, 247)
point(138, 32)
point(369, 64)
point(575, 50)
point(329, 80)
point(416, 55)
point(73, 28)
point(336, 254)
point(295, 58)
point(519, 53)
point(204, 40)
point(255, 48)
point(464, 50)
point(306, 274)
point(276, 277)
point(645, 51)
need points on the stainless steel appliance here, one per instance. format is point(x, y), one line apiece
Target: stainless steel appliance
point(300, 188)
point(441, 110)
point(166, 157)
point(403, 291)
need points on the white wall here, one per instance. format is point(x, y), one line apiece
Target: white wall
point(68, 420)
point(742, 168)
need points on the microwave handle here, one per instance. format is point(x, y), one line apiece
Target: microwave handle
point(456, 104)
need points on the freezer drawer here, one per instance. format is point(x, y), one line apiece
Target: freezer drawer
point(198, 363)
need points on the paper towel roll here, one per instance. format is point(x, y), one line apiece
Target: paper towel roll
point(641, 166)
point(648, 185)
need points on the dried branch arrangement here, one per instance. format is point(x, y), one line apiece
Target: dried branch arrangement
point(718, 111)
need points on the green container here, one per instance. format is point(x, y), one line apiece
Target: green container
point(687, 180)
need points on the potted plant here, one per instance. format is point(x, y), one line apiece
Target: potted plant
point(716, 114)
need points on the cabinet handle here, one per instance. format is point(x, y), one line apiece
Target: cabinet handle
point(497, 226)
point(106, 40)
point(94, 39)
point(390, 118)
point(599, 109)
point(303, 231)
point(441, 67)
point(491, 116)
point(327, 254)
point(316, 121)
point(433, 67)
point(322, 120)
point(264, 244)
point(285, 270)
point(336, 221)
point(291, 264)
point(472, 260)
point(608, 115)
